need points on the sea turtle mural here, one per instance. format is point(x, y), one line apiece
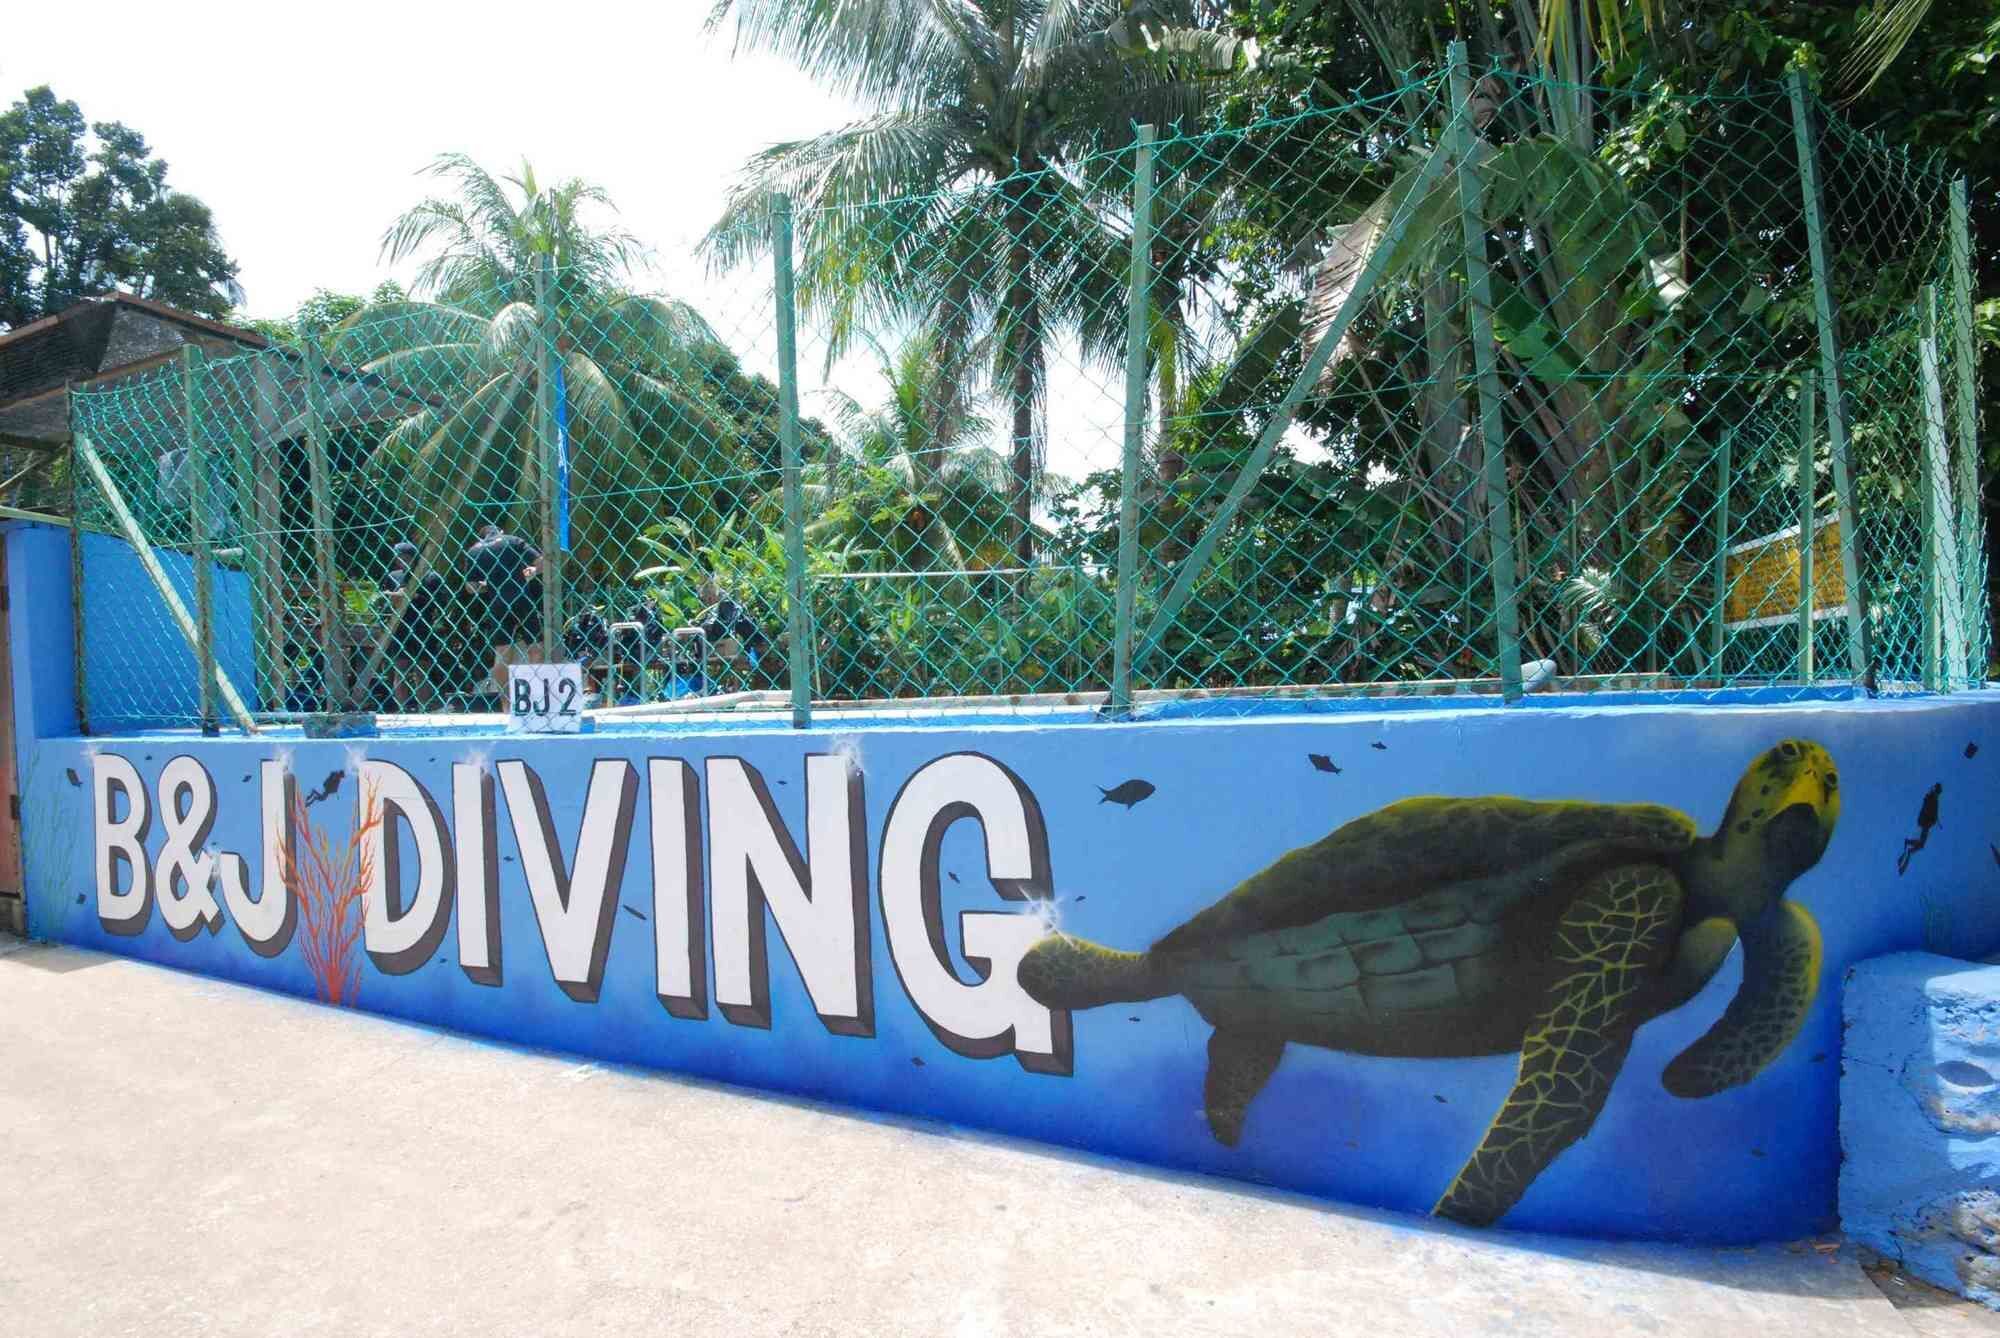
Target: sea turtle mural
point(1449, 927)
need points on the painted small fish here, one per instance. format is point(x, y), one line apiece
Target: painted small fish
point(918, 1062)
point(949, 874)
point(1439, 1098)
point(1379, 746)
point(246, 778)
point(79, 898)
point(327, 788)
point(1133, 1018)
point(1321, 762)
point(1129, 793)
point(74, 779)
point(1996, 851)
point(1972, 750)
point(635, 912)
point(1081, 900)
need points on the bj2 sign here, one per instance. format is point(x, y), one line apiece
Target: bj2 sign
point(545, 698)
point(717, 874)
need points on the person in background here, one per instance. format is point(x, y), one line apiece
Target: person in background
point(503, 574)
point(402, 565)
point(415, 651)
point(586, 639)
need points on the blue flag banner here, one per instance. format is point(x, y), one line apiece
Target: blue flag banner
point(562, 459)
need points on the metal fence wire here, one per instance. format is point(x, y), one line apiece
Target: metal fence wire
point(1486, 401)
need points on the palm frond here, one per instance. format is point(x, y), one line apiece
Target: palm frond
point(1881, 37)
point(901, 53)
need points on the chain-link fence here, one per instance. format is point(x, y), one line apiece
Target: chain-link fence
point(1491, 385)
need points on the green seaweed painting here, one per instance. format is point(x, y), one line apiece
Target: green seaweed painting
point(1451, 927)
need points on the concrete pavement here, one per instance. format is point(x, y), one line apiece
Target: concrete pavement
point(192, 1157)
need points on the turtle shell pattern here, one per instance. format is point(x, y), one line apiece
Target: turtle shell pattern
point(1424, 929)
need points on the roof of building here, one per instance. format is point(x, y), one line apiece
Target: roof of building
point(71, 346)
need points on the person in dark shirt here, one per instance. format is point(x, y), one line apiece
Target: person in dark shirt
point(416, 652)
point(402, 562)
point(504, 578)
point(586, 639)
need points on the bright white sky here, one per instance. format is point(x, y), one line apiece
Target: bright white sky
point(304, 127)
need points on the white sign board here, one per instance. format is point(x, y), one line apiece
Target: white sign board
point(544, 698)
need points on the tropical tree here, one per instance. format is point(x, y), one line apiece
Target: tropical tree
point(85, 209)
point(954, 206)
point(1631, 338)
point(520, 294)
point(910, 488)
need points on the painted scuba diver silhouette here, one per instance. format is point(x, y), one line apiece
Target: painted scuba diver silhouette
point(1927, 818)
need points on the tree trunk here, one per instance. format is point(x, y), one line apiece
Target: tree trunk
point(1021, 458)
point(1023, 345)
point(944, 393)
point(1450, 457)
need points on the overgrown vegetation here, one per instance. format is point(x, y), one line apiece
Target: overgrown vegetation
point(1651, 309)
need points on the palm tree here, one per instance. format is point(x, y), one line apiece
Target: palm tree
point(518, 294)
point(955, 206)
point(910, 487)
point(1573, 31)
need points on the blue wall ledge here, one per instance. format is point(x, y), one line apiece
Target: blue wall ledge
point(952, 918)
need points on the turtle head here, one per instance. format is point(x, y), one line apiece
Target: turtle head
point(1777, 826)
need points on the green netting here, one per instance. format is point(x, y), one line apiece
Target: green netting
point(1430, 393)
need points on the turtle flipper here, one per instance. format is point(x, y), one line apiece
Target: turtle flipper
point(1239, 1064)
point(1781, 966)
point(1609, 946)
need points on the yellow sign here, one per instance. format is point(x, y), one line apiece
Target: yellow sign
point(1762, 577)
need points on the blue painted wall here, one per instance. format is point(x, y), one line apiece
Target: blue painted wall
point(42, 632)
point(1755, 1162)
point(139, 670)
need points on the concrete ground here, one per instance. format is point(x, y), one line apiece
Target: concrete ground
point(191, 1157)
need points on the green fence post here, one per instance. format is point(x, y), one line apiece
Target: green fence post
point(1944, 634)
point(250, 547)
point(1724, 467)
point(267, 530)
point(1836, 403)
point(1465, 146)
point(1138, 324)
point(198, 546)
point(335, 695)
point(1965, 372)
point(547, 430)
point(798, 620)
point(1808, 527)
point(76, 630)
